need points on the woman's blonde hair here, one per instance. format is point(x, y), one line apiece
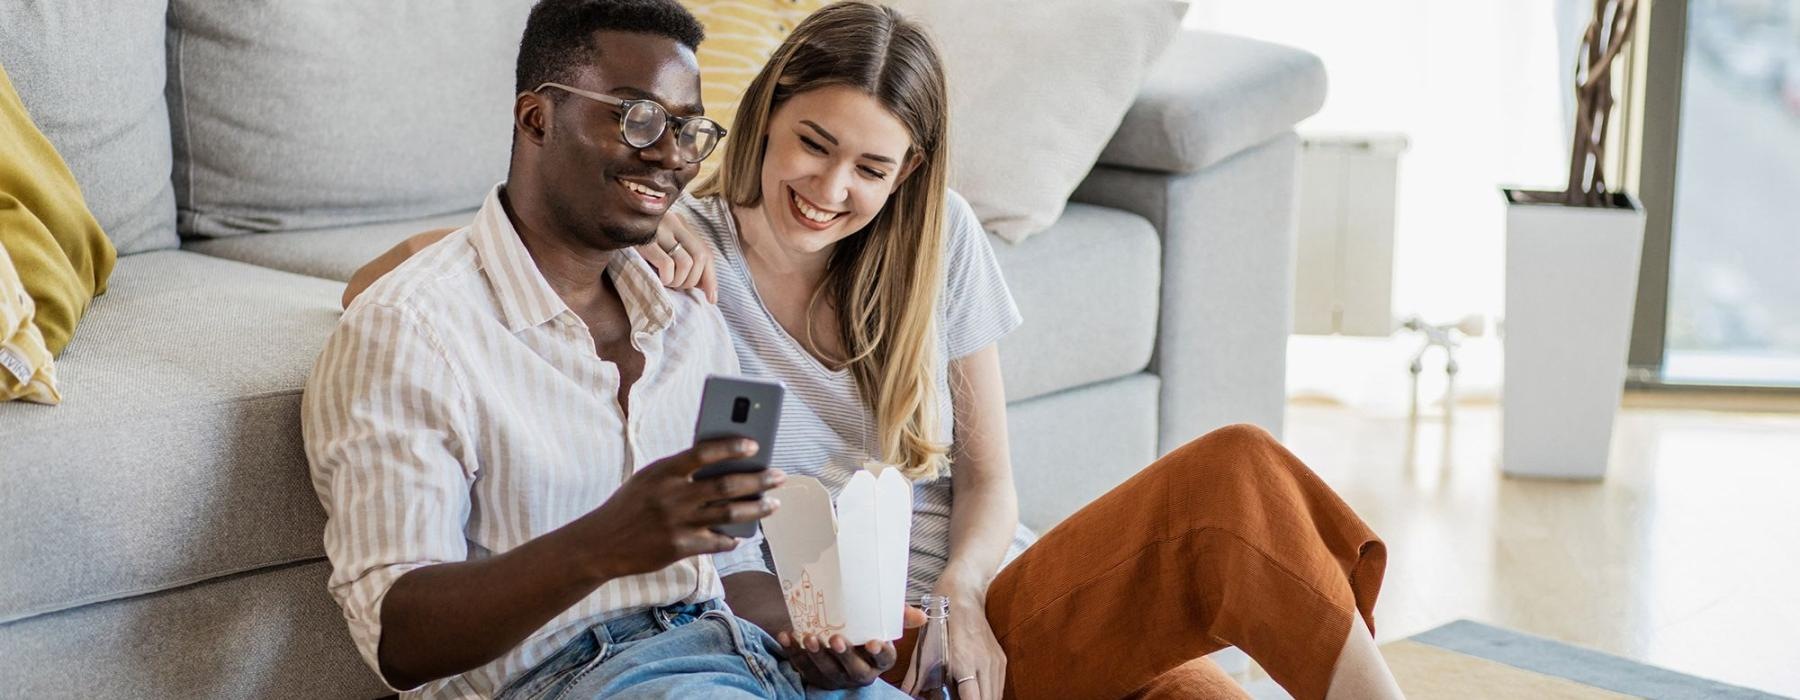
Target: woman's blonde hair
point(884, 280)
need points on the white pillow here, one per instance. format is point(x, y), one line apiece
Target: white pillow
point(1037, 88)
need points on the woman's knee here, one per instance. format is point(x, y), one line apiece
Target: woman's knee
point(1232, 444)
point(1239, 433)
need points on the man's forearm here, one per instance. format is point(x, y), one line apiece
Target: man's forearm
point(445, 619)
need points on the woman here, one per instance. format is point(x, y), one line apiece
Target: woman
point(845, 268)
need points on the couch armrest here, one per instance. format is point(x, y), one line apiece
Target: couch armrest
point(1227, 283)
point(1211, 96)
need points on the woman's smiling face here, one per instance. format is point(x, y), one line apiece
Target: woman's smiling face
point(833, 157)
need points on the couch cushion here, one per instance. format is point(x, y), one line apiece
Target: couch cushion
point(91, 76)
point(1211, 96)
point(270, 634)
point(1070, 447)
point(1087, 287)
point(332, 253)
point(175, 455)
point(301, 115)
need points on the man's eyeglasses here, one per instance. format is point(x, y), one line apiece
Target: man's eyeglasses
point(642, 122)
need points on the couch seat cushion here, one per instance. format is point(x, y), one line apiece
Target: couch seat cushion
point(1087, 287)
point(175, 456)
point(331, 253)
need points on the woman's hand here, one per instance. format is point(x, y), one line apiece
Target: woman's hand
point(681, 258)
point(382, 264)
point(976, 659)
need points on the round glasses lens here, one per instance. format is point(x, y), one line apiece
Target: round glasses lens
point(643, 124)
point(698, 139)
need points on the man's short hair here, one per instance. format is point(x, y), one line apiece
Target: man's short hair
point(559, 35)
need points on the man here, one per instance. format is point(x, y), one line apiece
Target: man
point(485, 422)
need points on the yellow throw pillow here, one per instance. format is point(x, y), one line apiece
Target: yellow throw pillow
point(59, 252)
point(26, 370)
point(740, 37)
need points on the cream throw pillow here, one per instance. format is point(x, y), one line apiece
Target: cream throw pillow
point(26, 370)
point(1037, 88)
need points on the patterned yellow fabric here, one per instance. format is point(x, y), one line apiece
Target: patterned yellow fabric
point(740, 36)
point(61, 256)
point(26, 370)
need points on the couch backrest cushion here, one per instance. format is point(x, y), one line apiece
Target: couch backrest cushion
point(296, 115)
point(90, 73)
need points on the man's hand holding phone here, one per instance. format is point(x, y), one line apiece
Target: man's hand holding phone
point(739, 407)
point(663, 514)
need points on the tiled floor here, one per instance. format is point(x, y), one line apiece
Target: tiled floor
point(1687, 556)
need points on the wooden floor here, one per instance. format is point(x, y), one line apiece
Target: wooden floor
point(1687, 556)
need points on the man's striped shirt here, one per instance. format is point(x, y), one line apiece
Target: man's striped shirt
point(460, 410)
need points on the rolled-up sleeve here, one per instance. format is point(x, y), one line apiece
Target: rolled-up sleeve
point(383, 418)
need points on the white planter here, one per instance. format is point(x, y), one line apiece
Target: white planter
point(1571, 285)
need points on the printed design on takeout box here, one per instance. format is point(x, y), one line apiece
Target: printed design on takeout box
point(842, 566)
point(806, 605)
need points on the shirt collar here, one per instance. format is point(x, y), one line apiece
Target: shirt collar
point(526, 298)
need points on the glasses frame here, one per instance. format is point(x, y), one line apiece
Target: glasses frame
point(625, 106)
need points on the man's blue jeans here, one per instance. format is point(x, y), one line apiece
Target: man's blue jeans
point(684, 651)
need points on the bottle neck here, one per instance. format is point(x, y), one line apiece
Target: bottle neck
point(936, 607)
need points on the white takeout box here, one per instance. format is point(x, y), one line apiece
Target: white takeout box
point(844, 572)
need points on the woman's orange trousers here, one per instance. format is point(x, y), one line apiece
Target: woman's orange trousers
point(1228, 541)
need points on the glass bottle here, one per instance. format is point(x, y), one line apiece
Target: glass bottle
point(928, 676)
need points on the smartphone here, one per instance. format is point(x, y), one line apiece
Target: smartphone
point(742, 408)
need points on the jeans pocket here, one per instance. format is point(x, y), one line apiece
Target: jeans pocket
point(747, 646)
point(572, 677)
point(549, 678)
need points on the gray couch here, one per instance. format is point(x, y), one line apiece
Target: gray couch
point(162, 536)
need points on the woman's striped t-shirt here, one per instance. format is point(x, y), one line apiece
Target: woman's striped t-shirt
point(827, 430)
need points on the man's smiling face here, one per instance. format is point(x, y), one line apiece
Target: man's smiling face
point(604, 190)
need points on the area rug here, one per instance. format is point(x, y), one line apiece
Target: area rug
point(1467, 659)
